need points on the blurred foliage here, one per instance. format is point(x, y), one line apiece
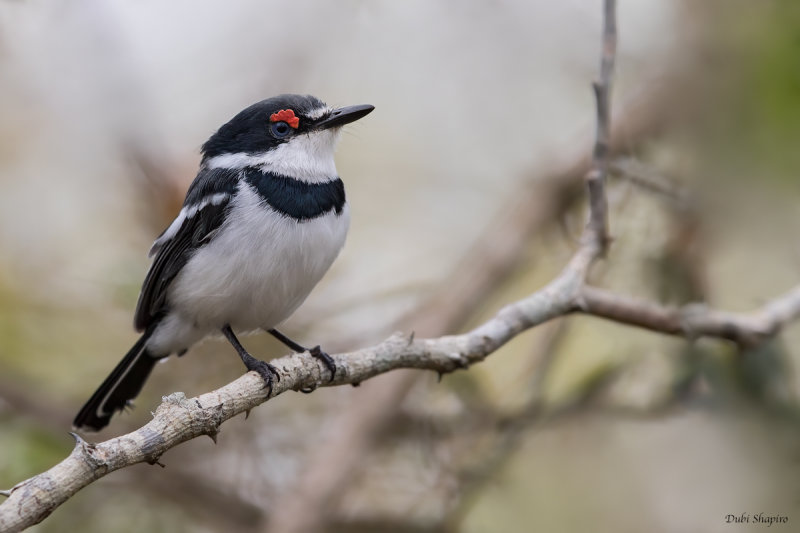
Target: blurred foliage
point(755, 102)
point(27, 448)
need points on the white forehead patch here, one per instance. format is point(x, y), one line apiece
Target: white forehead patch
point(314, 114)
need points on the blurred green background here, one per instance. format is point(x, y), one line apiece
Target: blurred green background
point(578, 425)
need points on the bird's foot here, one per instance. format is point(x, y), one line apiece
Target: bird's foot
point(327, 360)
point(267, 371)
point(317, 352)
point(264, 369)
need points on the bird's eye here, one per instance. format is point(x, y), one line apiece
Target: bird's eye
point(280, 129)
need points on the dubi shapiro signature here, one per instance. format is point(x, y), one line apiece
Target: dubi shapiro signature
point(756, 518)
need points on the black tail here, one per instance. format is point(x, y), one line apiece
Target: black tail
point(122, 385)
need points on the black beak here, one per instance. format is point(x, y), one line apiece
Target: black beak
point(344, 115)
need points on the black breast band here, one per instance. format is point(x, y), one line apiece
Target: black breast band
point(297, 199)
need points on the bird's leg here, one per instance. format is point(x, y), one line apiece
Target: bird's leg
point(264, 369)
point(316, 351)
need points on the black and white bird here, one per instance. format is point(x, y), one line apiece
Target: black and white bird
point(261, 224)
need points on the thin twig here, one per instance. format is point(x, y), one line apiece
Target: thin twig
point(597, 227)
point(638, 174)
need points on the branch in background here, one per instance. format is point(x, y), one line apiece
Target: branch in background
point(639, 174)
point(694, 320)
point(597, 227)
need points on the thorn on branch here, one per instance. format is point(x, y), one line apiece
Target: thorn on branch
point(156, 461)
point(86, 450)
point(78, 439)
point(213, 419)
point(460, 360)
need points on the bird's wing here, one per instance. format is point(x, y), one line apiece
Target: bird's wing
point(204, 211)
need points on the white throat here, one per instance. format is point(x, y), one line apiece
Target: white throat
point(307, 157)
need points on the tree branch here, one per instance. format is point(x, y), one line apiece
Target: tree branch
point(694, 320)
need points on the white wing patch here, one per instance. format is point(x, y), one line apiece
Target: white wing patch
point(185, 214)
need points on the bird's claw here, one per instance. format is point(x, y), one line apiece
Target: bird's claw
point(317, 352)
point(327, 360)
point(267, 372)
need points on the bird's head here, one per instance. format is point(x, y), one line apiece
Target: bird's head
point(290, 135)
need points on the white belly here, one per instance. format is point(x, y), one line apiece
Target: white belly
point(254, 274)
